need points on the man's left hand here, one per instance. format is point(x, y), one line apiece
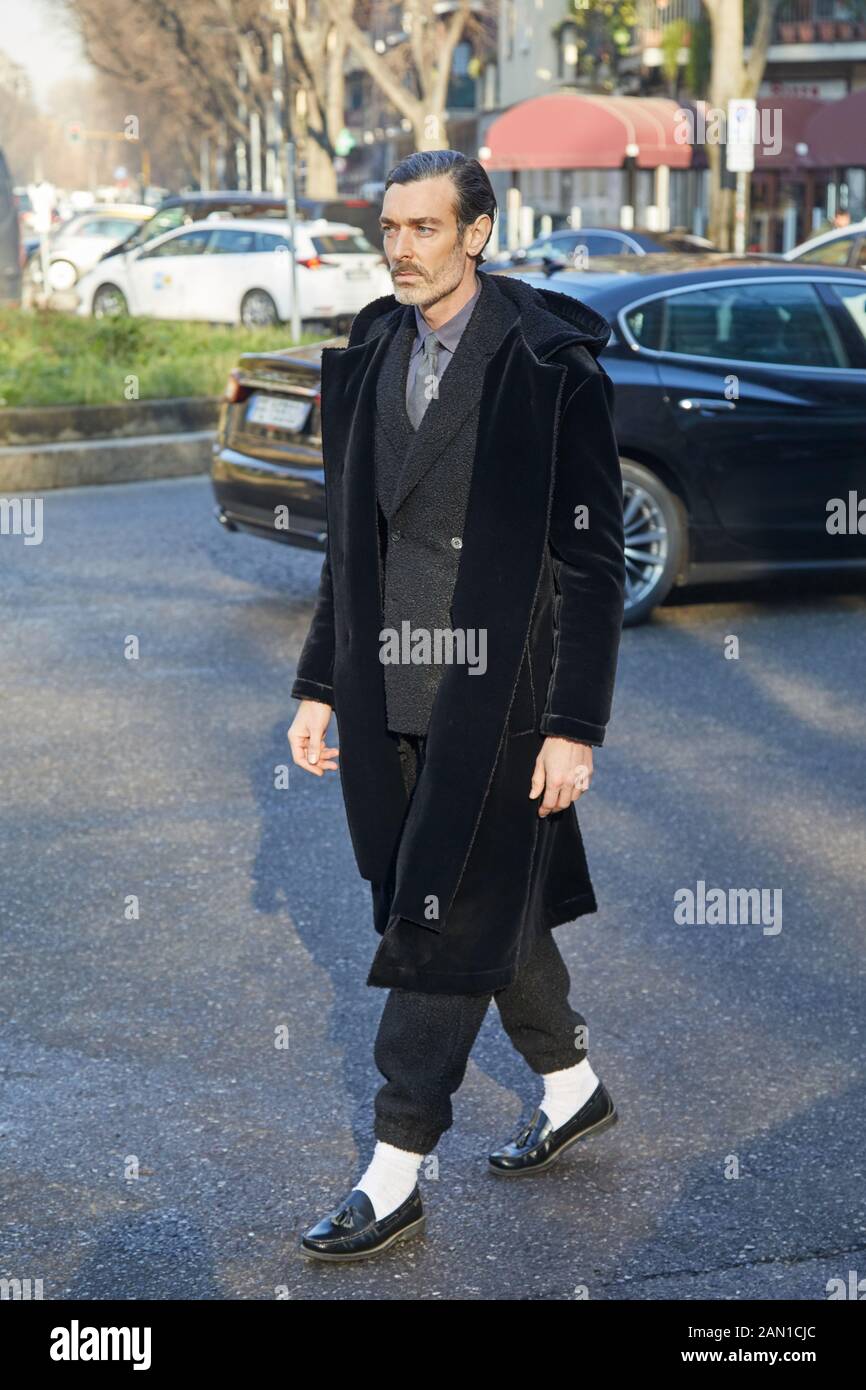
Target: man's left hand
point(563, 770)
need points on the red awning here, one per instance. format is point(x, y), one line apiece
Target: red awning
point(835, 133)
point(789, 118)
point(574, 130)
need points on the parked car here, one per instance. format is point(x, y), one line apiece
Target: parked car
point(358, 212)
point(842, 246)
point(236, 271)
point(79, 242)
point(183, 209)
point(571, 246)
point(740, 414)
point(10, 239)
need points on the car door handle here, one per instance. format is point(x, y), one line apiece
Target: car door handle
point(710, 405)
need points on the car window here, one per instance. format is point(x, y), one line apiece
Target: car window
point(190, 244)
point(225, 241)
point(547, 245)
point(602, 244)
point(270, 241)
point(646, 322)
point(853, 297)
point(766, 321)
point(860, 255)
point(107, 226)
point(160, 222)
point(830, 253)
point(342, 244)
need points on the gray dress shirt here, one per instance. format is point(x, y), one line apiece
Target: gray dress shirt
point(448, 335)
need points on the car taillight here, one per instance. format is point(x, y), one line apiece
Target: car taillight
point(312, 262)
point(235, 389)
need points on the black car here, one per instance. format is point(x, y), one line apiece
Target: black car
point(740, 415)
point(195, 207)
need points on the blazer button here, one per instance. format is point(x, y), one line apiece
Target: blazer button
point(396, 534)
point(456, 542)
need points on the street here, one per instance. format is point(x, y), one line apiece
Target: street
point(186, 1031)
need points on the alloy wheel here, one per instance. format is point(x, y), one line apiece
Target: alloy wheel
point(647, 543)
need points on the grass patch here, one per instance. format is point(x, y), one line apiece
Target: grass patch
point(51, 358)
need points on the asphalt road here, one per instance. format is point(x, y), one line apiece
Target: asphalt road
point(155, 1143)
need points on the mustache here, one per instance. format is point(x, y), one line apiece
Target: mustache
point(416, 269)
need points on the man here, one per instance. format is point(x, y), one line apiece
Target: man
point(836, 223)
point(473, 494)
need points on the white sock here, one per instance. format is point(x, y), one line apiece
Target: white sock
point(390, 1178)
point(566, 1091)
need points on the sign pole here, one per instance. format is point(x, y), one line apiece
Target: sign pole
point(291, 218)
point(740, 160)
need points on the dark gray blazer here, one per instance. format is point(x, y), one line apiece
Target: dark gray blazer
point(422, 482)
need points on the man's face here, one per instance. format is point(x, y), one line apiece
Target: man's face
point(426, 258)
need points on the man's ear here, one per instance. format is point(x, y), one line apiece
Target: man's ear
point(479, 234)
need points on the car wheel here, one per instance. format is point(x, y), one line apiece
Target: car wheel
point(655, 541)
point(258, 310)
point(109, 303)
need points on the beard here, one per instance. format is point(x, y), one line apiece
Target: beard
point(430, 286)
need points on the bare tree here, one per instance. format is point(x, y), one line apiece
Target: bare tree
point(211, 63)
point(317, 55)
point(414, 74)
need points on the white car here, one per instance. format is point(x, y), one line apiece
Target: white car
point(842, 246)
point(236, 270)
point(79, 242)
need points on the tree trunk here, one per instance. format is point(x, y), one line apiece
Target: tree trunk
point(726, 77)
point(321, 174)
point(431, 132)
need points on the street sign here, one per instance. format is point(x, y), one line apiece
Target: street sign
point(43, 200)
point(740, 148)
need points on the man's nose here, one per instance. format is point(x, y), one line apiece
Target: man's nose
point(402, 248)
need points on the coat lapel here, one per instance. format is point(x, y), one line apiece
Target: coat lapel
point(370, 771)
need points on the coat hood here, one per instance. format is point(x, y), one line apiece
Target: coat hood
point(548, 318)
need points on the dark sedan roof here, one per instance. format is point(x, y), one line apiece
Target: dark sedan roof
point(642, 235)
point(649, 275)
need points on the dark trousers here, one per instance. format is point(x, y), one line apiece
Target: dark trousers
point(424, 1040)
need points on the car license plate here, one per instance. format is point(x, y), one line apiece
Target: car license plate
point(359, 273)
point(278, 412)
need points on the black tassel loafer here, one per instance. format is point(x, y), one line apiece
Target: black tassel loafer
point(538, 1144)
point(351, 1231)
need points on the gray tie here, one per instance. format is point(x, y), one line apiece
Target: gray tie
point(423, 389)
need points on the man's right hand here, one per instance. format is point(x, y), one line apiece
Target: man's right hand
point(307, 738)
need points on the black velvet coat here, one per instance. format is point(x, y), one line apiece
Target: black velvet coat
point(466, 872)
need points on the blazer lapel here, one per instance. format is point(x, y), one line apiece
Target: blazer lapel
point(460, 388)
